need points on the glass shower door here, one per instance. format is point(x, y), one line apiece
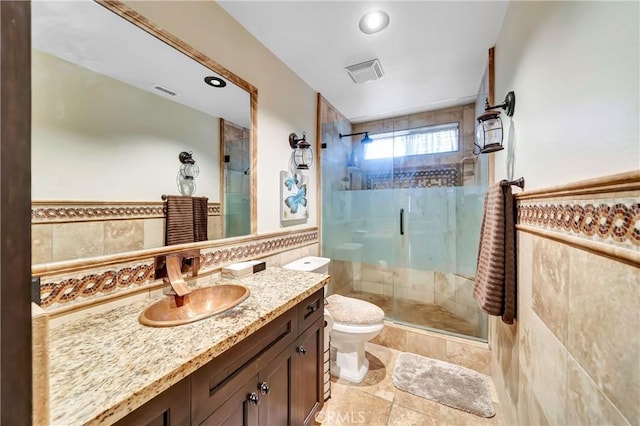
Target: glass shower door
point(402, 230)
point(439, 208)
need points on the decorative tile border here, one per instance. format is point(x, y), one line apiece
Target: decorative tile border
point(64, 289)
point(611, 221)
point(601, 215)
point(73, 288)
point(426, 178)
point(86, 211)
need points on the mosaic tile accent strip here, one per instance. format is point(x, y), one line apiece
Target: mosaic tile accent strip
point(216, 258)
point(425, 178)
point(71, 289)
point(88, 211)
point(61, 290)
point(611, 221)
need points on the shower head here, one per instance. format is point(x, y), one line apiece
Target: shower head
point(365, 139)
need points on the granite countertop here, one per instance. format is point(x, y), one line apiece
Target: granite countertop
point(106, 365)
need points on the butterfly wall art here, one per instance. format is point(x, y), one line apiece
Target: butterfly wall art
point(293, 197)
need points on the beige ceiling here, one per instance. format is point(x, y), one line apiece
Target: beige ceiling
point(433, 53)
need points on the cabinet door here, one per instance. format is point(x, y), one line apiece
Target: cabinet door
point(308, 371)
point(276, 383)
point(170, 408)
point(240, 409)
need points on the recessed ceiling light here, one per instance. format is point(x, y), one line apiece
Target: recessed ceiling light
point(215, 81)
point(374, 22)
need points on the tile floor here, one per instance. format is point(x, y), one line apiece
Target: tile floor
point(422, 314)
point(377, 402)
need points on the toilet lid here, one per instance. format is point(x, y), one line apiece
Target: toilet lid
point(348, 310)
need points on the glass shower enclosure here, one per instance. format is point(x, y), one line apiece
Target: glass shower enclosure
point(401, 218)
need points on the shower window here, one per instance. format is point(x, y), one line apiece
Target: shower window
point(418, 141)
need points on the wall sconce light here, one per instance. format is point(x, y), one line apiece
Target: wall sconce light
point(189, 170)
point(302, 155)
point(489, 132)
point(366, 139)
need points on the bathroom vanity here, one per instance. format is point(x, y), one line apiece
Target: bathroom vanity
point(259, 363)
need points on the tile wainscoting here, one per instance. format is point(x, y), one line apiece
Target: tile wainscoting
point(65, 285)
point(63, 230)
point(572, 356)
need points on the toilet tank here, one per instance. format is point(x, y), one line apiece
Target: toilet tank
point(310, 264)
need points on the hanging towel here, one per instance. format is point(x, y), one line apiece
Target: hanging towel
point(179, 220)
point(495, 285)
point(200, 216)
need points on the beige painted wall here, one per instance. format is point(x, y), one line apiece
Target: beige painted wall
point(285, 103)
point(574, 68)
point(95, 138)
point(572, 357)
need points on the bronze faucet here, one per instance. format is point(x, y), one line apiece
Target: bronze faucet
point(171, 267)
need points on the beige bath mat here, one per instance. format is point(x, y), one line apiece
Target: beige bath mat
point(445, 383)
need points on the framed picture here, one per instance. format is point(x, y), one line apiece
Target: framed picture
point(293, 197)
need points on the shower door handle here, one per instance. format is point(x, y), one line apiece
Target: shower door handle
point(401, 221)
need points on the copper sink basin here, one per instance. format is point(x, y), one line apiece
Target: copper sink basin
point(199, 304)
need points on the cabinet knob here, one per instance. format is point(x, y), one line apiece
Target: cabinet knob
point(301, 350)
point(312, 308)
point(264, 388)
point(253, 399)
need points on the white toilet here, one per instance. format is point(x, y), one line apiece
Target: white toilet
point(354, 323)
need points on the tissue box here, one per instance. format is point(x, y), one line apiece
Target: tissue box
point(243, 268)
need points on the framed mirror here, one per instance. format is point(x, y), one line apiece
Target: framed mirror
point(116, 104)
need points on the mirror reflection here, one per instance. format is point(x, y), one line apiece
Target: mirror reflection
point(113, 108)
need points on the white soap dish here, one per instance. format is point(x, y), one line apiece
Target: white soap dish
point(241, 269)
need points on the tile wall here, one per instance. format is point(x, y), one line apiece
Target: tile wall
point(467, 353)
point(452, 292)
point(59, 233)
point(464, 115)
point(573, 355)
point(95, 281)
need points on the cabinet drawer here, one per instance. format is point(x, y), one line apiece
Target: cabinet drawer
point(214, 383)
point(310, 309)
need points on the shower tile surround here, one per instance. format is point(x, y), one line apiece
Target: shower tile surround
point(74, 229)
point(445, 162)
point(572, 356)
point(377, 280)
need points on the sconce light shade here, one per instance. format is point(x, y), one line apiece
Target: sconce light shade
point(187, 173)
point(489, 131)
point(302, 155)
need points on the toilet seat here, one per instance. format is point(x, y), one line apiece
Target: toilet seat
point(357, 329)
point(350, 311)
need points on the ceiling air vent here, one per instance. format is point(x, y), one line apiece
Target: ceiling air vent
point(366, 71)
point(164, 90)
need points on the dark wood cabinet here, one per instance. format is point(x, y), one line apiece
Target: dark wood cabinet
point(170, 408)
point(273, 377)
point(309, 372)
point(240, 409)
point(276, 384)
